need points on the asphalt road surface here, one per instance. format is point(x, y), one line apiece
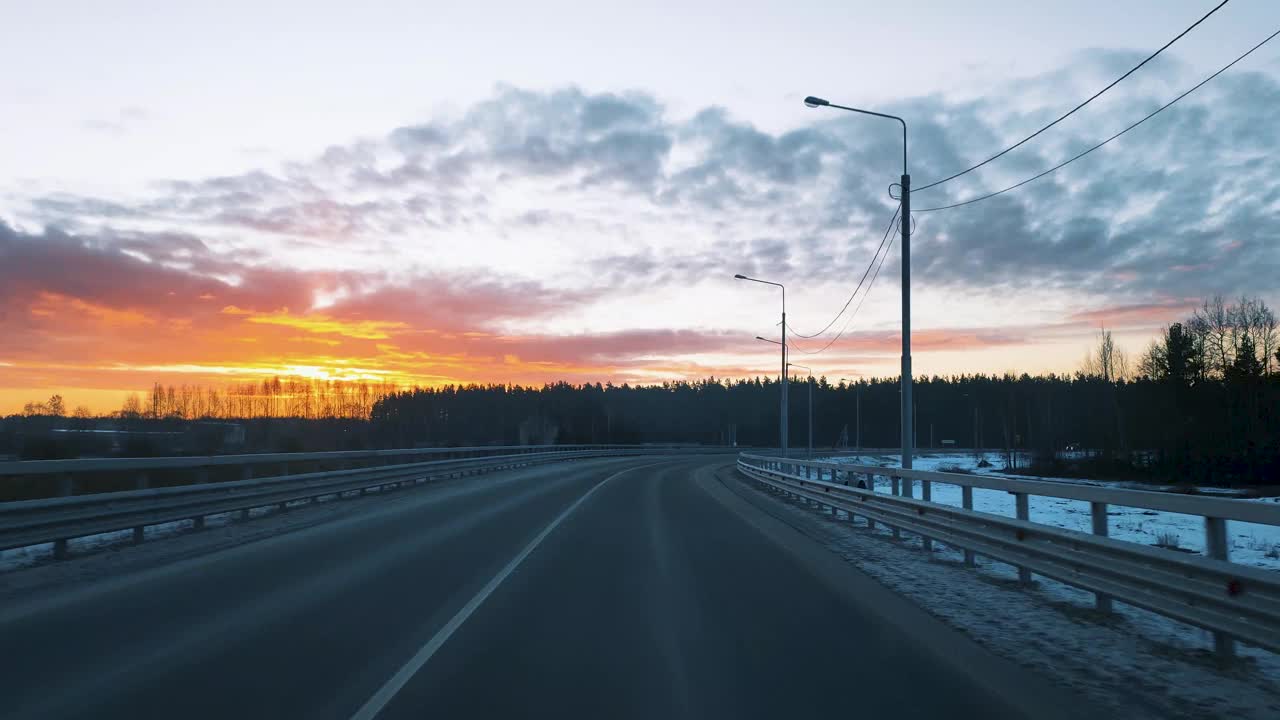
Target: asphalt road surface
point(616, 588)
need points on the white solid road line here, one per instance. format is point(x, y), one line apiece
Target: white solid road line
point(375, 704)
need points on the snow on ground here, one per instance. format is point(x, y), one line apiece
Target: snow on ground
point(1132, 663)
point(1250, 543)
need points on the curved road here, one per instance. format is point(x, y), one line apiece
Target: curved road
point(617, 588)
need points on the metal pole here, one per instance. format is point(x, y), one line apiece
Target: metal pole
point(833, 512)
point(806, 367)
point(782, 420)
point(908, 426)
point(784, 374)
point(859, 416)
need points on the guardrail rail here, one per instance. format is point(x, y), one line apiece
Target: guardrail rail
point(1233, 601)
point(59, 519)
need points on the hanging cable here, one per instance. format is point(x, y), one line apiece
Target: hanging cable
point(1070, 112)
point(859, 306)
point(865, 273)
point(1076, 157)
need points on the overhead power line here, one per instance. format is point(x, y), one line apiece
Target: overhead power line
point(1076, 157)
point(1072, 111)
point(854, 314)
point(865, 273)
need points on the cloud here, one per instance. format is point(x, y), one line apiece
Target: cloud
point(109, 311)
point(482, 225)
point(1141, 315)
point(1169, 197)
point(125, 120)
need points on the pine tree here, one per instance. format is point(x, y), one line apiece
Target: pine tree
point(1181, 362)
point(1246, 366)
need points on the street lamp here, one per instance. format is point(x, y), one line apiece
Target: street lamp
point(784, 395)
point(907, 424)
point(782, 426)
point(802, 367)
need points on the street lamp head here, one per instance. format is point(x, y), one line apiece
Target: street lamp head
point(739, 276)
point(764, 339)
point(812, 101)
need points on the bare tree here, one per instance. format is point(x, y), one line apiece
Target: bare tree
point(132, 407)
point(1153, 362)
point(1213, 319)
point(35, 408)
point(1106, 361)
point(1264, 324)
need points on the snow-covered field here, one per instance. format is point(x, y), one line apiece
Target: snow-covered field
point(1250, 543)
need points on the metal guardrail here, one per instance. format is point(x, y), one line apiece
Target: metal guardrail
point(60, 478)
point(57, 520)
point(83, 465)
point(1233, 601)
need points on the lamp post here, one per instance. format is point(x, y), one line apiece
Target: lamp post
point(907, 424)
point(782, 428)
point(784, 396)
point(858, 442)
point(802, 367)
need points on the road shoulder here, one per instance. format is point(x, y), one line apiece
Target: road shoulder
point(1024, 693)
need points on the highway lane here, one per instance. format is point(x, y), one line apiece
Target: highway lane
point(638, 587)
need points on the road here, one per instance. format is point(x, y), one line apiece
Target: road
point(614, 588)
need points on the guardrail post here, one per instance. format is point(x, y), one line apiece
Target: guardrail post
point(197, 522)
point(141, 481)
point(871, 487)
point(966, 501)
point(1215, 545)
point(926, 494)
point(1098, 515)
point(1022, 507)
point(895, 488)
point(246, 472)
point(66, 488)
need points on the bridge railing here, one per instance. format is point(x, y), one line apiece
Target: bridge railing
point(1234, 601)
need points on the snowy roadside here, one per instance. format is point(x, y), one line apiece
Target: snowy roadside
point(1250, 543)
point(1137, 664)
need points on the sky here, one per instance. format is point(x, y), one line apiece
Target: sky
point(432, 193)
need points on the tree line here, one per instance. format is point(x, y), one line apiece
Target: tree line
point(1200, 404)
point(290, 397)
